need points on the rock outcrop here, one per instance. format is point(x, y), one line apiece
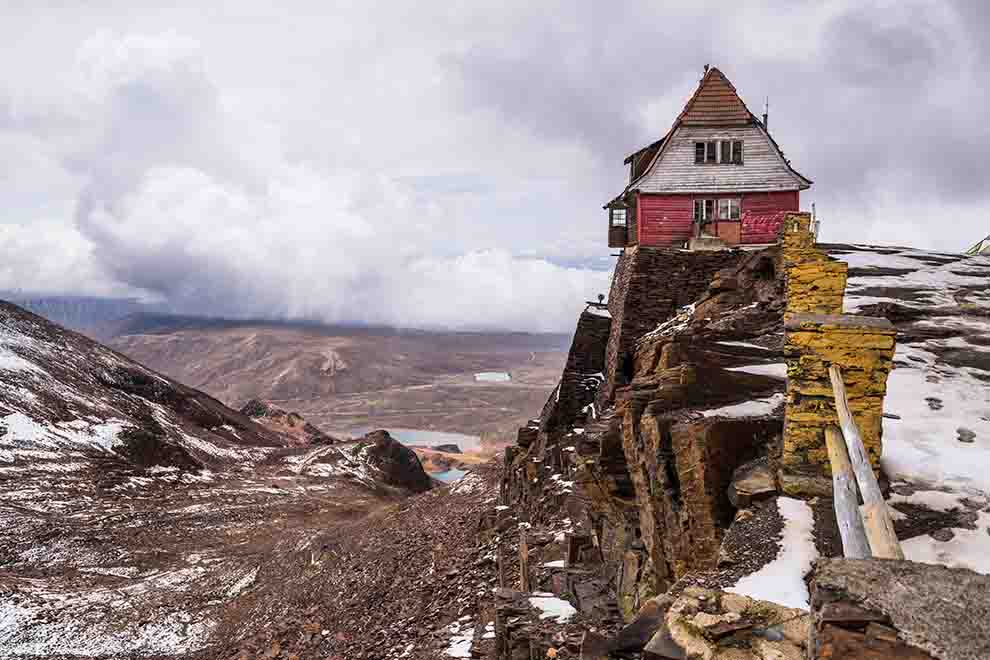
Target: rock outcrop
point(397, 465)
point(675, 478)
point(289, 424)
point(874, 608)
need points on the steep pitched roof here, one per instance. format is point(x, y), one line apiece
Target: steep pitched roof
point(715, 103)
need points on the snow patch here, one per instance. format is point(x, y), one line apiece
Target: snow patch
point(782, 580)
point(552, 607)
point(754, 408)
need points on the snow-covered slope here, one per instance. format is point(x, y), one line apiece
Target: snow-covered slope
point(936, 432)
point(133, 509)
point(68, 401)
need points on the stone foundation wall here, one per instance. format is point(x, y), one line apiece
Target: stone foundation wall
point(648, 286)
point(582, 375)
point(863, 348)
point(814, 281)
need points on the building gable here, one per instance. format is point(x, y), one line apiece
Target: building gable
point(763, 168)
point(715, 112)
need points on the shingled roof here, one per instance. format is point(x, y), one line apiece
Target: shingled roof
point(715, 103)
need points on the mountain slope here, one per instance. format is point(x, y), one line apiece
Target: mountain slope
point(135, 510)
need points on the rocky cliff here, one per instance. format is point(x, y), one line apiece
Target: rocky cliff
point(660, 475)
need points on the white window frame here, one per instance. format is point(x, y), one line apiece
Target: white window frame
point(613, 219)
point(732, 208)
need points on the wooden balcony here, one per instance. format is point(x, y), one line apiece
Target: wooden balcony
point(618, 236)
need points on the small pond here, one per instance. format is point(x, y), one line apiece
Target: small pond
point(452, 474)
point(492, 377)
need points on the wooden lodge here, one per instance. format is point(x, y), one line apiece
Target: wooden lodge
point(716, 173)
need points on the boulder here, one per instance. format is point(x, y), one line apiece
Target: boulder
point(703, 624)
point(398, 464)
point(751, 481)
point(879, 608)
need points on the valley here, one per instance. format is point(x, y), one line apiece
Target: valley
point(344, 379)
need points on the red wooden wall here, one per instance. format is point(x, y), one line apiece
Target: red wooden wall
point(668, 219)
point(664, 219)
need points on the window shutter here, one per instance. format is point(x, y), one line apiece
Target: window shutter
point(699, 153)
point(737, 148)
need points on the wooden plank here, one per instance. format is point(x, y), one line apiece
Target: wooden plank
point(524, 577)
point(845, 499)
point(676, 172)
point(500, 558)
point(876, 518)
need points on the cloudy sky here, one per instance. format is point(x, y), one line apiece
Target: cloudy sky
point(444, 164)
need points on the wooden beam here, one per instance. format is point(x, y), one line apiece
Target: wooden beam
point(524, 575)
point(876, 518)
point(845, 498)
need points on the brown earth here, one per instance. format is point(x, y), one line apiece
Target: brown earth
point(345, 378)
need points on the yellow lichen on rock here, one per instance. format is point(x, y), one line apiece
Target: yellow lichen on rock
point(814, 282)
point(863, 348)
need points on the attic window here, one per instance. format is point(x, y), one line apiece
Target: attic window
point(706, 152)
point(737, 152)
point(618, 217)
point(718, 151)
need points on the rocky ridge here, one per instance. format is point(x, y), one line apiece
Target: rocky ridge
point(665, 466)
point(137, 510)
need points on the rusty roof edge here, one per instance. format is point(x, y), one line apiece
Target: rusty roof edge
point(639, 151)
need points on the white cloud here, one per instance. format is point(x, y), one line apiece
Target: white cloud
point(413, 166)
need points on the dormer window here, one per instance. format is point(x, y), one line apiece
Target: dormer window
point(718, 151)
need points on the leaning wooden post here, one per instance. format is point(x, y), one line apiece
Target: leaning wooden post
point(876, 517)
point(524, 576)
point(854, 542)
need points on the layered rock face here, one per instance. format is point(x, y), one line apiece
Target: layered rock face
point(648, 286)
point(643, 474)
point(699, 467)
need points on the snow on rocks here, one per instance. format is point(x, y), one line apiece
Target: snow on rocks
point(782, 580)
point(552, 607)
point(461, 635)
point(754, 408)
point(932, 401)
point(774, 370)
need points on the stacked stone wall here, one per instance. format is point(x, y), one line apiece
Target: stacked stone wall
point(814, 281)
point(581, 378)
point(818, 335)
point(863, 348)
point(648, 286)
